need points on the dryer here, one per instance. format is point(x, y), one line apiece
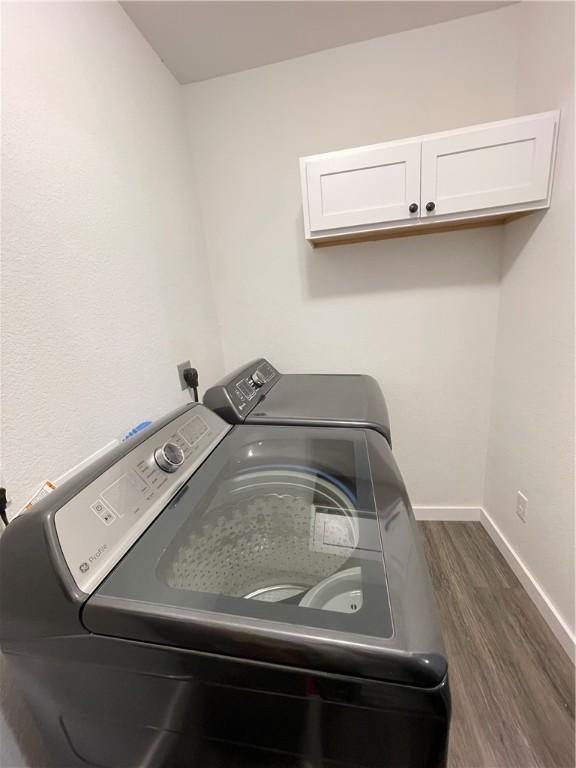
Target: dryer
point(257, 393)
point(210, 596)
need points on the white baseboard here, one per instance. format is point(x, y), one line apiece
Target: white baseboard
point(560, 629)
point(448, 514)
point(558, 626)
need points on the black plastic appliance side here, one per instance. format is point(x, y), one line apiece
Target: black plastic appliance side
point(417, 624)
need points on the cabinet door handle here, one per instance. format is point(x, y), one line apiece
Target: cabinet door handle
point(430, 206)
point(413, 207)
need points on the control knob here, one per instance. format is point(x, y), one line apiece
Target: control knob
point(169, 457)
point(258, 379)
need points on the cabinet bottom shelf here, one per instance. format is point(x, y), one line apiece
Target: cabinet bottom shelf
point(417, 229)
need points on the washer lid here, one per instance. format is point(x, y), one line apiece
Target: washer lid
point(324, 400)
point(273, 513)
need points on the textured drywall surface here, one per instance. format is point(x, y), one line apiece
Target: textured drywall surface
point(105, 283)
point(418, 313)
point(531, 443)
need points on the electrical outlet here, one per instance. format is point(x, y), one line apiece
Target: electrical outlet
point(182, 367)
point(521, 506)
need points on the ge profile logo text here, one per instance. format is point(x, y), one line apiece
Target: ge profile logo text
point(84, 567)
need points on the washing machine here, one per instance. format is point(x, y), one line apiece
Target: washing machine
point(257, 393)
point(218, 596)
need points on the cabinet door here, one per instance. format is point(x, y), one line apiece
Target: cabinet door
point(488, 167)
point(363, 187)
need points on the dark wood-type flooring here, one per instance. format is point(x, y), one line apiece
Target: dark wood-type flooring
point(512, 684)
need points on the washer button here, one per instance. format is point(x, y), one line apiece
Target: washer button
point(102, 511)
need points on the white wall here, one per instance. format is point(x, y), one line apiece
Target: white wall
point(105, 283)
point(531, 444)
point(101, 225)
point(418, 313)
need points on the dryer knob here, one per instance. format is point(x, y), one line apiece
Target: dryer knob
point(169, 457)
point(258, 379)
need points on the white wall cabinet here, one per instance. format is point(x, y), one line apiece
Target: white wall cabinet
point(363, 187)
point(492, 166)
point(483, 174)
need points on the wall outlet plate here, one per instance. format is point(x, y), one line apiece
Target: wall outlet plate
point(181, 368)
point(521, 505)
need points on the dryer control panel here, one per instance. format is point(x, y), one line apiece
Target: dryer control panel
point(98, 526)
point(236, 396)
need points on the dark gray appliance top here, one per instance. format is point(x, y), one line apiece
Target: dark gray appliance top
point(253, 509)
point(258, 394)
point(293, 509)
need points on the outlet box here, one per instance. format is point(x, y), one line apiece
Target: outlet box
point(521, 505)
point(181, 368)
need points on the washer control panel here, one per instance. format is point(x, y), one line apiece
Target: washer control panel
point(249, 385)
point(234, 397)
point(98, 526)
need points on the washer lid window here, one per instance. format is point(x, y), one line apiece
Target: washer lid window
point(274, 514)
point(265, 530)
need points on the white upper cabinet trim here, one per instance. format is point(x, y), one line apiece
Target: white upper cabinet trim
point(478, 172)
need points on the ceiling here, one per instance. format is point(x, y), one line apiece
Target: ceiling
point(202, 39)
